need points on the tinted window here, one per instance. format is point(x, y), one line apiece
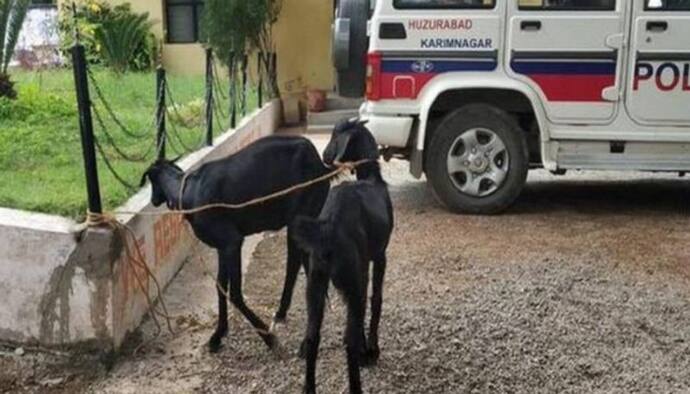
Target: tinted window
point(439, 4)
point(668, 5)
point(568, 5)
point(183, 20)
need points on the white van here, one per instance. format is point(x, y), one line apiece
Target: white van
point(476, 92)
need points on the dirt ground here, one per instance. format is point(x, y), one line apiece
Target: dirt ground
point(581, 287)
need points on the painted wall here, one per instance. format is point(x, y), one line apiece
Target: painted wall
point(303, 42)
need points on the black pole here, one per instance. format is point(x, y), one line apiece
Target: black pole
point(260, 90)
point(245, 63)
point(81, 83)
point(273, 75)
point(209, 97)
point(233, 91)
point(160, 111)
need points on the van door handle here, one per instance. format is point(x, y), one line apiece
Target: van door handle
point(530, 25)
point(657, 26)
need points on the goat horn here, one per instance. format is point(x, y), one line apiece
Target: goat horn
point(175, 160)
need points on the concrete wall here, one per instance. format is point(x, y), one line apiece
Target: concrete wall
point(62, 285)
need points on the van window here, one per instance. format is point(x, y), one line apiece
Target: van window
point(667, 5)
point(568, 5)
point(440, 4)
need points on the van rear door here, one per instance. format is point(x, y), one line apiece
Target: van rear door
point(420, 40)
point(659, 83)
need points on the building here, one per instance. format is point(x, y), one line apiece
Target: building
point(302, 37)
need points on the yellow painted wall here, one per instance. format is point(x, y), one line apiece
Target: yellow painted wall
point(302, 36)
point(303, 41)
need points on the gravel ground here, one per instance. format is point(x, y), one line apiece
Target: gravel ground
point(582, 287)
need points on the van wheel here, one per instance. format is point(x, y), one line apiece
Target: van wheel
point(477, 160)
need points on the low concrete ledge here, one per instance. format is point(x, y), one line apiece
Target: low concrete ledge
point(64, 286)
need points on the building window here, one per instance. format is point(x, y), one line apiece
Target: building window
point(183, 18)
point(568, 5)
point(42, 4)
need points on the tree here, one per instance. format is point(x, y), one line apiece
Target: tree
point(12, 15)
point(235, 27)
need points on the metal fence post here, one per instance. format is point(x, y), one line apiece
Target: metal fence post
point(86, 128)
point(233, 91)
point(209, 97)
point(160, 111)
point(274, 75)
point(245, 63)
point(260, 90)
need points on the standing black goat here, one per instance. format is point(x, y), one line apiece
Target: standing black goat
point(264, 167)
point(353, 229)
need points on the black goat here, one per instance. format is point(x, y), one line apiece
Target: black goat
point(266, 166)
point(353, 229)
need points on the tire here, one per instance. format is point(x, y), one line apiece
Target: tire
point(350, 45)
point(488, 180)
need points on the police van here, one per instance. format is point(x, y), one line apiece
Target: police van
point(474, 93)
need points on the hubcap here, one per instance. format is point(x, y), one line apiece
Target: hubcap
point(478, 162)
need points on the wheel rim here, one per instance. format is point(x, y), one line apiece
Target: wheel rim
point(478, 162)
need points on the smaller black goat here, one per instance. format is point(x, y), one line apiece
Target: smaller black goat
point(352, 230)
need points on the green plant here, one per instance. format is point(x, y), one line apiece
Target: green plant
point(120, 37)
point(234, 27)
point(189, 115)
point(12, 15)
point(114, 36)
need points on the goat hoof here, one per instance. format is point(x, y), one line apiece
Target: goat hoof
point(371, 356)
point(214, 345)
point(280, 317)
point(302, 350)
point(271, 341)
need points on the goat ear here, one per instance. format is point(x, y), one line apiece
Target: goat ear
point(363, 122)
point(307, 233)
point(341, 146)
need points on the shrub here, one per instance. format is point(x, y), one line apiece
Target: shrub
point(33, 104)
point(114, 36)
point(12, 15)
point(189, 115)
point(120, 37)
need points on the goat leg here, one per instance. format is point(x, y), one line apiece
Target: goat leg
point(373, 351)
point(222, 289)
point(317, 286)
point(235, 263)
point(294, 260)
point(353, 337)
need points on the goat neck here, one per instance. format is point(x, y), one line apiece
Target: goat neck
point(370, 170)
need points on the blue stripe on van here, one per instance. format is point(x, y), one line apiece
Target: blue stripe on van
point(437, 66)
point(563, 67)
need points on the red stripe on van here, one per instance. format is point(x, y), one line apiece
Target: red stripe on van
point(576, 88)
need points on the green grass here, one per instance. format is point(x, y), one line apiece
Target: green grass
point(40, 149)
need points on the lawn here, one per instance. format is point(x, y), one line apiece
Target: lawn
point(40, 149)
